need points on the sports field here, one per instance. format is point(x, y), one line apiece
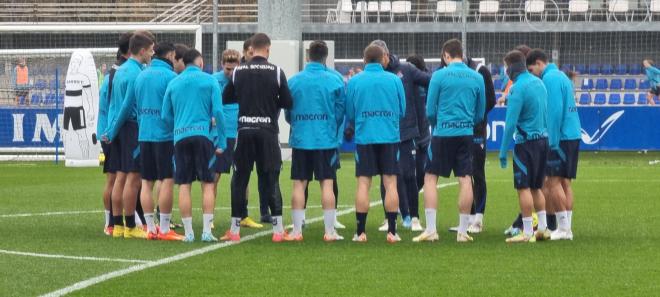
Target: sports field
point(51, 223)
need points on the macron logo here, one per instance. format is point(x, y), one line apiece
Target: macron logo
point(600, 133)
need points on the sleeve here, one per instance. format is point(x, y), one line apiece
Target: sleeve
point(513, 109)
point(126, 107)
point(653, 70)
point(229, 92)
point(490, 89)
point(167, 112)
point(555, 111)
point(401, 94)
point(285, 100)
point(340, 103)
point(480, 107)
point(218, 114)
point(103, 107)
point(350, 107)
point(432, 101)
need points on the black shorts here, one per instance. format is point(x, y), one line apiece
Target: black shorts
point(447, 154)
point(655, 90)
point(194, 158)
point(156, 160)
point(74, 117)
point(224, 162)
point(564, 164)
point(407, 162)
point(529, 162)
point(110, 165)
point(258, 146)
point(320, 164)
point(377, 159)
point(126, 149)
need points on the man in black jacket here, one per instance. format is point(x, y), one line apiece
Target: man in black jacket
point(413, 79)
point(260, 89)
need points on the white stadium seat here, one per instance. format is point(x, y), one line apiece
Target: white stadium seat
point(618, 7)
point(579, 7)
point(489, 7)
point(402, 8)
point(445, 8)
point(537, 7)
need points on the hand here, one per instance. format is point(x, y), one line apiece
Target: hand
point(219, 151)
point(503, 162)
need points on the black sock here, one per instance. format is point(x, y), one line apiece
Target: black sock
point(361, 218)
point(391, 222)
point(130, 221)
point(552, 221)
point(518, 222)
point(118, 220)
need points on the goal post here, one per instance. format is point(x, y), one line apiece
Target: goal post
point(33, 67)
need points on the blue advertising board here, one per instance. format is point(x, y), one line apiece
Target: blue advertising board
point(29, 127)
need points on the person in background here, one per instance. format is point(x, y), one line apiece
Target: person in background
point(21, 82)
point(653, 75)
point(100, 73)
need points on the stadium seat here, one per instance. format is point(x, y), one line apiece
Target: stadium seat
point(445, 8)
point(616, 84)
point(630, 84)
point(628, 99)
point(594, 69)
point(587, 84)
point(642, 100)
point(644, 84)
point(585, 99)
point(386, 9)
point(498, 96)
point(579, 7)
point(497, 84)
point(581, 68)
point(488, 8)
point(615, 99)
point(635, 69)
point(41, 84)
point(654, 9)
point(615, 7)
point(36, 99)
point(566, 67)
point(607, 69)
point(494, 69)
point(401, 8)
point(535, 7)
point(600, 99)
point(621, 69)
point(601, 84)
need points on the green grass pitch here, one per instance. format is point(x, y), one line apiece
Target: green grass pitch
point(615, 253)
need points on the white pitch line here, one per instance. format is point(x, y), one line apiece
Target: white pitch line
point(55, 213)
point(440, 186)
point(178, 257)
point(71, 257)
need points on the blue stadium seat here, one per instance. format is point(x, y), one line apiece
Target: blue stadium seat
point(616, 84)
point(53, 84)
point(581, 68)
point(630, 84)
point(607, 69)
point(600, 99)
point(594, 69)
point(36, 99)
point(587, 84)
point(628, 99)
point(585, 99)
point(41, 84)
point(494, 69)
point(497, 84)
point(621, 69)
point(615, 99)
point(601, 84)
point(642, 100)
point(498, 96)
point(566, 67)
point(644, 84)
point(635, 69)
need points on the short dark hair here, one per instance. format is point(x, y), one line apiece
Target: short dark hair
point(650, 61)
point(373, 54)
point(523, 48)
point(453, 48)
point(259, 41)
point(163, 48)
point(190, 56)
point(513, 57)
point(418, 61)
point(138, 42)
point(318, 51)
point(146, 33)
point(535, 55)
point(230, 56)
point(247, 43)
point(123, 42)
point(180, 49)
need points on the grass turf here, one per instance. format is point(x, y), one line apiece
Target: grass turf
point(614, 254)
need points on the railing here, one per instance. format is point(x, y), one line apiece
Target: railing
point(329, 11)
